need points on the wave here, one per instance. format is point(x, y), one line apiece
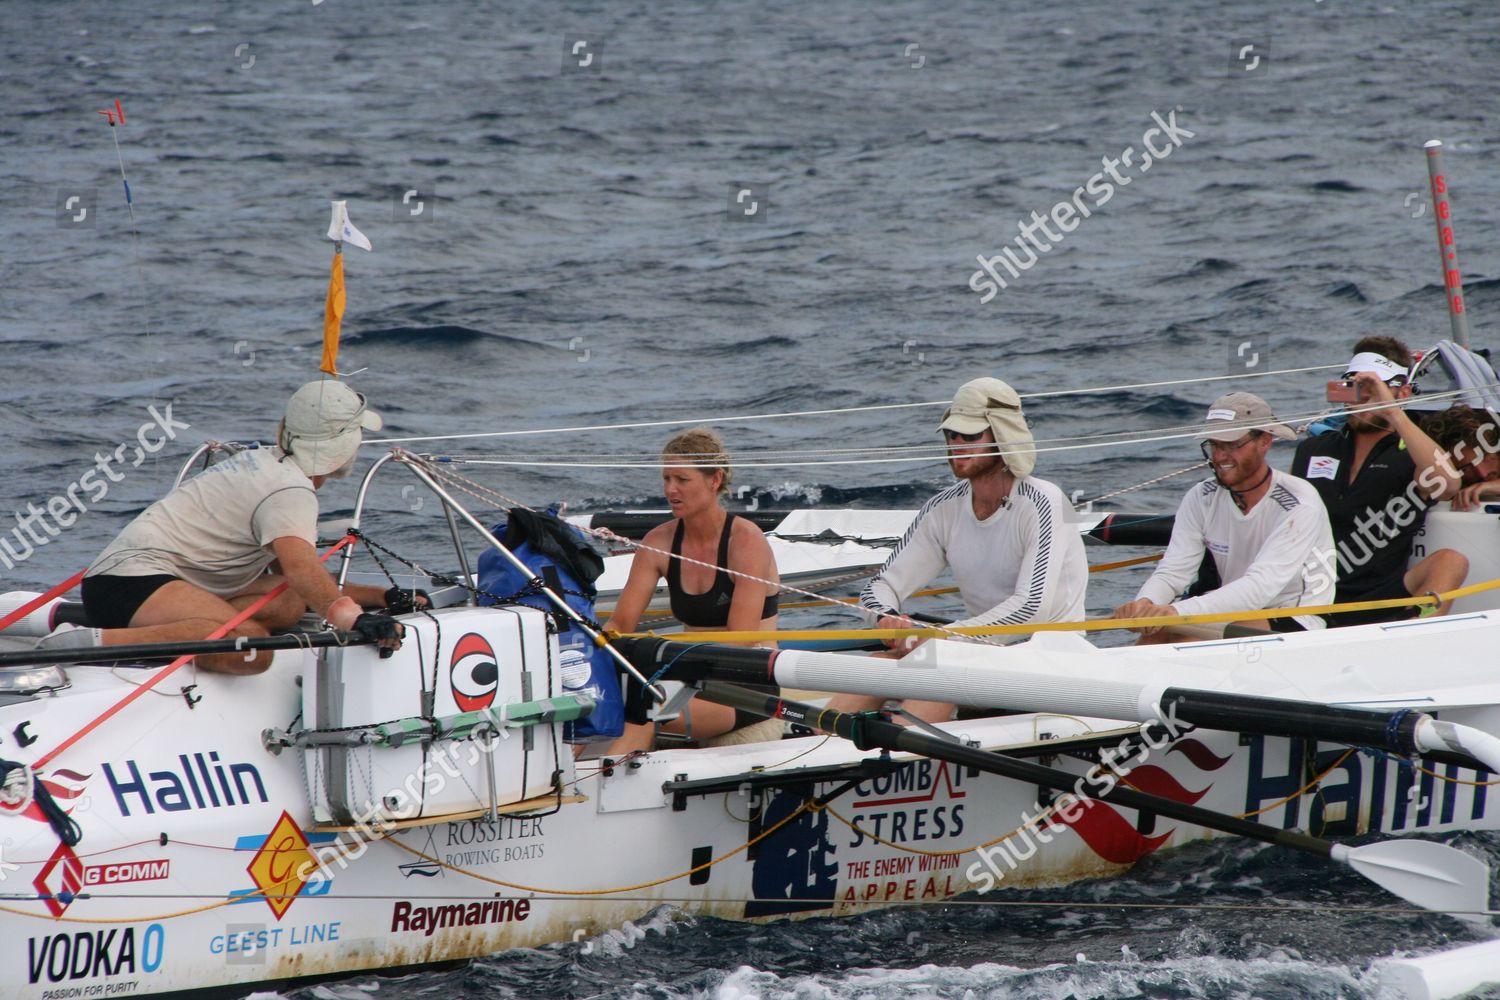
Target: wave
point(441, 335)
point(1339, 187)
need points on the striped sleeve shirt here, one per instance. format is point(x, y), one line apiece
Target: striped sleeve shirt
point(1278, 555)
point(1022, 564)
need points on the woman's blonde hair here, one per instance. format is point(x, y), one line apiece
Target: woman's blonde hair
point(706, 449)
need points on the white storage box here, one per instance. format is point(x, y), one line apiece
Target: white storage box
point(469, 659)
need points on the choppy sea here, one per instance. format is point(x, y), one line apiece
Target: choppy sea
point(598, 214)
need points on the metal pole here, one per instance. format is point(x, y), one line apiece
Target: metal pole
point(536, 581)
point(463, 556)
point(187, 466)
point(359, 509)
point(1453, 282)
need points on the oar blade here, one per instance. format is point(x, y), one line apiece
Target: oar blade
point(1434, 876)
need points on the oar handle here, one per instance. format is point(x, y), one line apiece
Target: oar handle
point(867, 732)
point(1391, 729)
point(196, 647)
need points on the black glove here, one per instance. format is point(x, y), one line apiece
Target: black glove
point(378, 628)
point(400, 600)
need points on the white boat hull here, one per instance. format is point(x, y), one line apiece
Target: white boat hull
point(187, 819)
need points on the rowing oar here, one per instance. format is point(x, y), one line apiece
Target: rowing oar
point(196, 647)
point(1040, 681)
point(1433, 876)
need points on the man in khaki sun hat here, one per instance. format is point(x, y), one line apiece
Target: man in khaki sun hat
point(1005, 534)
point(1266, 530)
point(197, 557)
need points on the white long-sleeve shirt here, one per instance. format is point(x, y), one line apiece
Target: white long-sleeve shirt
point(1279, 555)
point(1024, 563)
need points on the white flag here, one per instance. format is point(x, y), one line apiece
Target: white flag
point(340, 228)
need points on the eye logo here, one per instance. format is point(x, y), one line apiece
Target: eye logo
point(473, 673)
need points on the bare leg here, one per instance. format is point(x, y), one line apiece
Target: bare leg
point(181, 612)
point(634, 738)
point(708, 720)
point(929, 711)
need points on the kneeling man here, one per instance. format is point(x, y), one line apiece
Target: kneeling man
point(198, 557)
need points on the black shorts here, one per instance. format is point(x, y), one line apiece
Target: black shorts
point(1385, 590)
point(111, 601)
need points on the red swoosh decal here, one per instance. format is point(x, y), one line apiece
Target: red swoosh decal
point(1202, 757)
point(61, 791)
point(1155, 781)
point(1110, 837)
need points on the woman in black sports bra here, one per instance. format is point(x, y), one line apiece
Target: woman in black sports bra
point(705, 596)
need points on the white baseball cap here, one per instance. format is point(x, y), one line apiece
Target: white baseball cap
point(1383, 367)
point(324, 426)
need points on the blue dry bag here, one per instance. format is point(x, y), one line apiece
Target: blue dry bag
point(568, 563)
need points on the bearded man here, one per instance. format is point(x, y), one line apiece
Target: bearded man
point(1004, 533)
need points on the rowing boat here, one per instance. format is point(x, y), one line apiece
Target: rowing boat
point(344, 813)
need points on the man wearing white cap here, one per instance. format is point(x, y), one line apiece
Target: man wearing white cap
point(1003, 532)
point(197, 557)
point(1377, 476)
point(1266, 530)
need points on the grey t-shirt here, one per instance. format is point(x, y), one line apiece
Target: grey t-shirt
point(215, 530)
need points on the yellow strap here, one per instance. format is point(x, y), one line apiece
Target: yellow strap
point(1090, 625)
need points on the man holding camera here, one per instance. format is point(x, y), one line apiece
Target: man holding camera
point(1377, 476)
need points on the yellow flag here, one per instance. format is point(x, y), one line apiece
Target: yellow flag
point(333, 315)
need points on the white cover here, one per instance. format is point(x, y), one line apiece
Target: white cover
point(353, 687)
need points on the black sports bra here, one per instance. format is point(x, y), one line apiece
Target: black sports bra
point(709, 609)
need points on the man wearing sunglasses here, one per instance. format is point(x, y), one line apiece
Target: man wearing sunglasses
point(1377, 476)
point(197, 557)
point(1266, 531)
point(1004, 533)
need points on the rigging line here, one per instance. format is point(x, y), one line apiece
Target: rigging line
point(1139, 486)
point(1196, 431)
point(1174, 432)
point(740, 418)
point(462, 484)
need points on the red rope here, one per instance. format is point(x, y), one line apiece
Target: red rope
point(170, 668)
point(38, 601)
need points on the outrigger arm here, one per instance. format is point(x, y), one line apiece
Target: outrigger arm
point(924, 674)
point(1431, 875)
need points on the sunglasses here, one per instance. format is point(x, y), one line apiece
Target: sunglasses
point(1227, 447)
point(967, 438)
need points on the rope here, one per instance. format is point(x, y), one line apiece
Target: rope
point(741, 418)
point(938, 452)
point(936, 591)
point(216, 904)
point(463, 485)
point(166, 671)
point(1303, 790)
point(807, 806)
point(1087, 625)
point(1150, 482)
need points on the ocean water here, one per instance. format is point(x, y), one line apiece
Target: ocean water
point(586, 253)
